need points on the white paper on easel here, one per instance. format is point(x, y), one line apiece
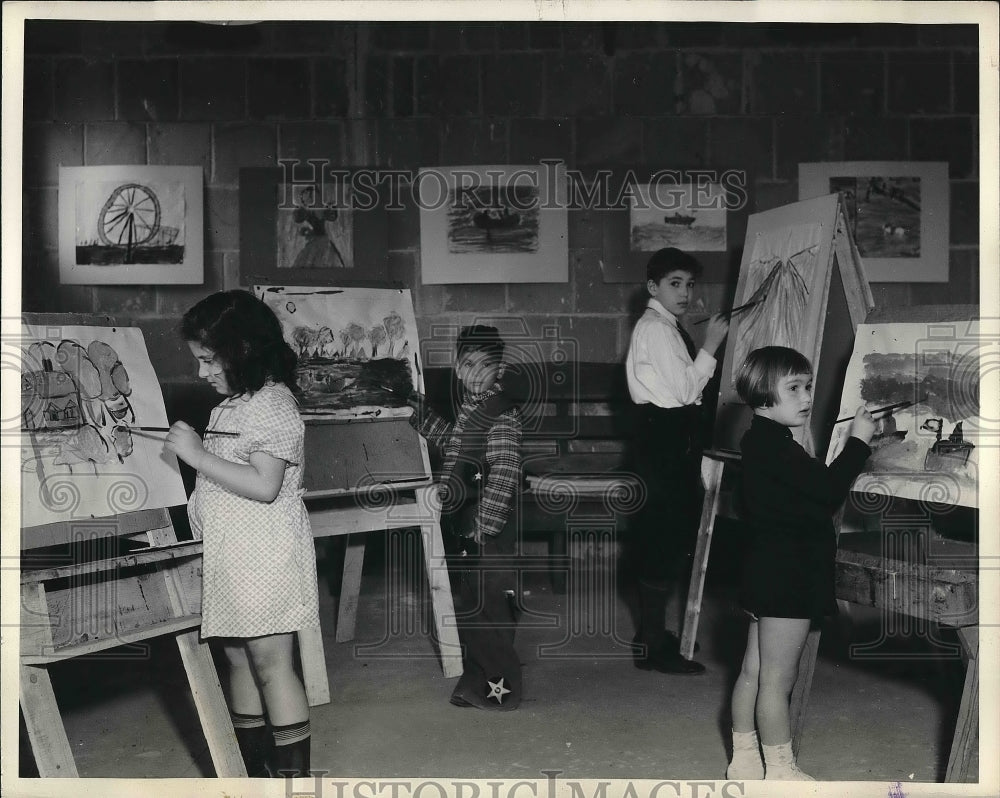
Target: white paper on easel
point(84, 390)
point(929, 450)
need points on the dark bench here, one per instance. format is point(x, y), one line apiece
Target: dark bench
point(577, 420)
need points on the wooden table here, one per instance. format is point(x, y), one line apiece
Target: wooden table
point(911, 570)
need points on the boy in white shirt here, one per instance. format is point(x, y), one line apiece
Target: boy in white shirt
point(665, 380)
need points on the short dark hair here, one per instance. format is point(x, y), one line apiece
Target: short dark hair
point(245, 336)
point(671, 259)
point(480, 338)
point(757, 379)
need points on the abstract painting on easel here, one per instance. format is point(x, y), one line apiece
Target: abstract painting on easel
point(357, 347)
point(84, 392)
point(776, 289)
point(928, 448)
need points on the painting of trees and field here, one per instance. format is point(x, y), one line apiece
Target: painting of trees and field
point(357, 347)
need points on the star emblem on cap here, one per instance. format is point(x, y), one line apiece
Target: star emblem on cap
point(478, 476)
point(497, 690)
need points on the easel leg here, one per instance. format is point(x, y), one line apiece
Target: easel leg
point(49, 743)
point(314, 675)
point(711, 470)
point(967, 728)
point(802, 687)
point(211, 705)
point(350, 588)
point(437, 578)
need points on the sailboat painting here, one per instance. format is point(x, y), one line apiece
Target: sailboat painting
point(689, 218)
point(776, 289)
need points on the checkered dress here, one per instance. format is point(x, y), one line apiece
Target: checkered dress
point(259, 557)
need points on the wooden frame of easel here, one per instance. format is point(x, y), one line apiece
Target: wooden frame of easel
point(156, 591)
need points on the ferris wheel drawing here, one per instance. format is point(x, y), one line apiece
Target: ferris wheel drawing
point(129, 218)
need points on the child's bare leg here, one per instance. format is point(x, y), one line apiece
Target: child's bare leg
point(745, 691)
point(244, 695)
point(746, 763)
point(284, 695)
point(781, 641)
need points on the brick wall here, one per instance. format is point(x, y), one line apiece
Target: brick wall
point(679, 95)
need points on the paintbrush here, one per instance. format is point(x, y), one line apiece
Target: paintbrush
point(730, 313)
point(897, 406)
point(206, 432)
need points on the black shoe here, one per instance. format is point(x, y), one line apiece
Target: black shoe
point(664, 660)
point(673, 643)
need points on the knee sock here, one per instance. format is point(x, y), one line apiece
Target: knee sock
point(254, 741)
point(780, 764)
point(652, 614)
point(746, 764)
point(291, 750)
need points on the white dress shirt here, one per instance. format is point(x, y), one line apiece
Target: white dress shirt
point(658, 366)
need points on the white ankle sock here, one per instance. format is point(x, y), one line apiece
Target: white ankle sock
point(780, 764)
point(746, 764)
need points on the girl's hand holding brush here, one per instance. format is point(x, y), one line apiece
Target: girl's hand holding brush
point(184, 442)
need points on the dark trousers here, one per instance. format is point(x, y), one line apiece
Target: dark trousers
point(667, 457)
point(484, 611)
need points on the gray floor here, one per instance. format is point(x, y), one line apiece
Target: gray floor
point(587, 712)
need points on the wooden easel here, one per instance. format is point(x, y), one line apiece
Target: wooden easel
point(370, 490)
point(82, 608)
point(75, 610)
point(842, 300)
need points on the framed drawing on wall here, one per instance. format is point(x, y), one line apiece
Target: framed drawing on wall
point(327, 230)
point(493, 224)
point(702, 211)
point(897, 212)
point(129, 225)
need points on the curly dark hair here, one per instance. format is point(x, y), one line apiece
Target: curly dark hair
point(245, 336)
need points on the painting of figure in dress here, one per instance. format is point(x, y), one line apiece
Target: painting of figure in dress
point(357, 347)
point(315, 234)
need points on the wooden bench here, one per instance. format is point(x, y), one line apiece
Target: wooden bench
point(577, 419)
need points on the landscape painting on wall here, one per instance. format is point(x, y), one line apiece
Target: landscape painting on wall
point(85, 392)
point(357, 347)
point(927, 446)
point(898, 213)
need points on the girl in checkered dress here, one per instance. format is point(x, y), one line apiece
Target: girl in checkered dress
point(259, 566)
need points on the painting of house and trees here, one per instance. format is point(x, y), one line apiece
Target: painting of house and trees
point(357, 347)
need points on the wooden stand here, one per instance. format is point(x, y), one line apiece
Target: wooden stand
point(74, 610)
point(354, 516)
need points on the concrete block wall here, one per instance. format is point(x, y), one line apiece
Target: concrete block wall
point(762, 97)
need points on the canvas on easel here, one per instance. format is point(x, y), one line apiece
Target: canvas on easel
point(366, 467)
point(804, 287)
point(85, 392)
